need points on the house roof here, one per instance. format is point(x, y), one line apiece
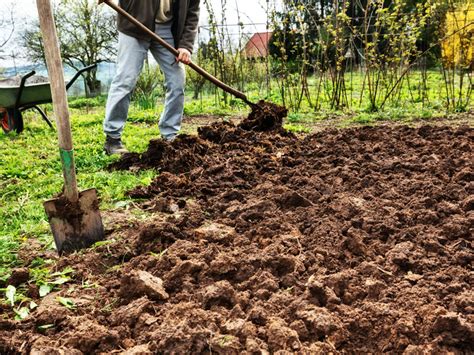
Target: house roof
point(257, 45)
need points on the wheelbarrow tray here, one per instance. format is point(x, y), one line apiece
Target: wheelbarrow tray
point(14, 99)
point(33, 94)
point(28, 95)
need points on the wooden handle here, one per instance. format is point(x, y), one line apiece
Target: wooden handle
point(59, 96)
point(173, 50)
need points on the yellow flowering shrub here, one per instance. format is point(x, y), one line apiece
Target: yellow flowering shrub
point(458, 45)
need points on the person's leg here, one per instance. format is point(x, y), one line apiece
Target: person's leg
point(175, 76)
point(130, 58)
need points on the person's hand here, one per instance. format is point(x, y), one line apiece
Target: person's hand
point(184, 56)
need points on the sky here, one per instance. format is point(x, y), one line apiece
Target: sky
point(252, 15)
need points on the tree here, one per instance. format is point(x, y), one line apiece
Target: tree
point(7, 27)
point(87, 36)
point(296, 29)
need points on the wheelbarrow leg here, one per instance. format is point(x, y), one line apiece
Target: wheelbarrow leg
point(41, 112)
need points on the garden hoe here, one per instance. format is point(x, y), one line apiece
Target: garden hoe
point(74, 217)
point(170, 48)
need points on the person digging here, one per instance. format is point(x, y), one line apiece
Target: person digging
point(176, 21)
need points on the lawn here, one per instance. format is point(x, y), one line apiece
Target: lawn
point(30, 173)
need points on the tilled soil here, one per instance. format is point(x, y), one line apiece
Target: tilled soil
point(257, 241)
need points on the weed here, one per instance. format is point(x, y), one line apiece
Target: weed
point(297, 128)
point(294, 117)
point(159, 255)
point(66, 302)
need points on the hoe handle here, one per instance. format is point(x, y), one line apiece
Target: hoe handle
point(173, 50)
point(59, 96)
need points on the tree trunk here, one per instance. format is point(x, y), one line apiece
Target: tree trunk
point(198, 88)
point(93, 86)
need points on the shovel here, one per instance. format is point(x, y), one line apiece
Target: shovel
point(173, 50)
point(74, 217)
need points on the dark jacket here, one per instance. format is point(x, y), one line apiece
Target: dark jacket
point(185, 20)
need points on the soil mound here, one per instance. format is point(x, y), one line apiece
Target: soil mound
point(356, 240)
point(177, 156)
point(265, 116)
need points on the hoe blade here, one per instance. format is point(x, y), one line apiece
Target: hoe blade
point(75, 225)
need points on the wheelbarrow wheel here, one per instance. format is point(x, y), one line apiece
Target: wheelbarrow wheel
point(11, 120)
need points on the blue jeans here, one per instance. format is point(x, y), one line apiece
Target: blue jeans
point(131, 56)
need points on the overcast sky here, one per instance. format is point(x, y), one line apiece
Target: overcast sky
point(252, 14)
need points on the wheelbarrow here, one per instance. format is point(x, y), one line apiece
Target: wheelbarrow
point(16, 99)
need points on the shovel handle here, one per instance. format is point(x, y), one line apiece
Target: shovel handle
point(173, 50)
point(59, 96)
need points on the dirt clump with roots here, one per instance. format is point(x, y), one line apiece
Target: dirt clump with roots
point(256, 241)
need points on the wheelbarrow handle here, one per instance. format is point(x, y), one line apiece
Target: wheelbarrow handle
point(79, 73)
point(173, 50)
point(22, 86)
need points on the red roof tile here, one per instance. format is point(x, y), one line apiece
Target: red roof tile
point(257, 46)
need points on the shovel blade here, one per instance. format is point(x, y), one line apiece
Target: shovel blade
point(75, 225)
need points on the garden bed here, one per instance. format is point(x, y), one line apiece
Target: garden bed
point(354, 240)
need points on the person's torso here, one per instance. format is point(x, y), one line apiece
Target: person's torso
point(145, 11)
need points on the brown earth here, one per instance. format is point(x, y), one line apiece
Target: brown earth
point(355, 240)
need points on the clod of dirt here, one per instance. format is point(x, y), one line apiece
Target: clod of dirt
point(218, 132)
point(280, 336)
point(130, 313)
point(454, 329)
point(354, 242)
point(50, 311)
point(142, 283)
point(225, 344)
point(321, 293)
point(293, 199)
point(220, 294)
point(138, 350)
point(40, 348)
point(265, 116)
point(89, 336)
point(19, 276)
point(234, 326)
point(319, 321)
point(215, 232)
point(256, 346)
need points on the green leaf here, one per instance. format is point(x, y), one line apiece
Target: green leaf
point(66, 271)
point(61, 280)
point(102, 243)
point(10, 294)
point(33, 305)
point(66, 302)
point(21, 313)
point(45, 289)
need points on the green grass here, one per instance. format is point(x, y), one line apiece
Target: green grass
point(30, 173)
point(407, 102)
